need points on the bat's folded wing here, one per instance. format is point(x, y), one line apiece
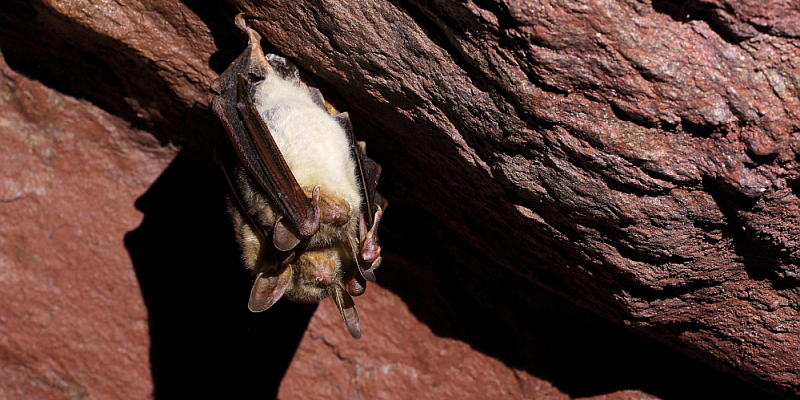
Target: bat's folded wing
point(256, 148)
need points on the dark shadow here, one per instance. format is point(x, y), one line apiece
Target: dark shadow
point(763, 260)
point(204, 341)
point(218, 17)
point(461, 294)
point(717, 17)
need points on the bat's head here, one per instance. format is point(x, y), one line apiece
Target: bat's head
point(314, 272)
point(310, 277)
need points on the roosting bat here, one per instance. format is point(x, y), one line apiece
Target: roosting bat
point(304, 203)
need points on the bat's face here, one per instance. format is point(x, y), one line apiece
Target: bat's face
point(314, 265)
point(326, 259)
point(314, 273)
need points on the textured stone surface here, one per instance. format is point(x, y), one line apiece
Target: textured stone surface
point(637, 158)
point(457, 293)
point(399, 359)
point(72, 321)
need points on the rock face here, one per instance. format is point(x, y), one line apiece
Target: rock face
point(72, 321)
point(635, 158)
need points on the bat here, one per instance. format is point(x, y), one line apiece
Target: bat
point(303, 200)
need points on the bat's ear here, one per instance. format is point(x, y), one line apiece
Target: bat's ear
point(282, 238)
point(268, 289)
point(348, 310)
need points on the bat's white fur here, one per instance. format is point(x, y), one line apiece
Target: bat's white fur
point(314, 145)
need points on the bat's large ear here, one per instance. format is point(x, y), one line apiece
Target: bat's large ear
point(268, 289)
point(282, 238)
point(348, 310)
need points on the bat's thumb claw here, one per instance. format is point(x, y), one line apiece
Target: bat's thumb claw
point(315, 195)
point(370, 251)
point(309, 224)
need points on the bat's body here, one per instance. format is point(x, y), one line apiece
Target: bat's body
point(317, 151)
point(314, 145)
point(304, 205)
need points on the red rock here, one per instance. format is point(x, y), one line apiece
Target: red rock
point(72, 321)
point(399, 358)
point(638, 159)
